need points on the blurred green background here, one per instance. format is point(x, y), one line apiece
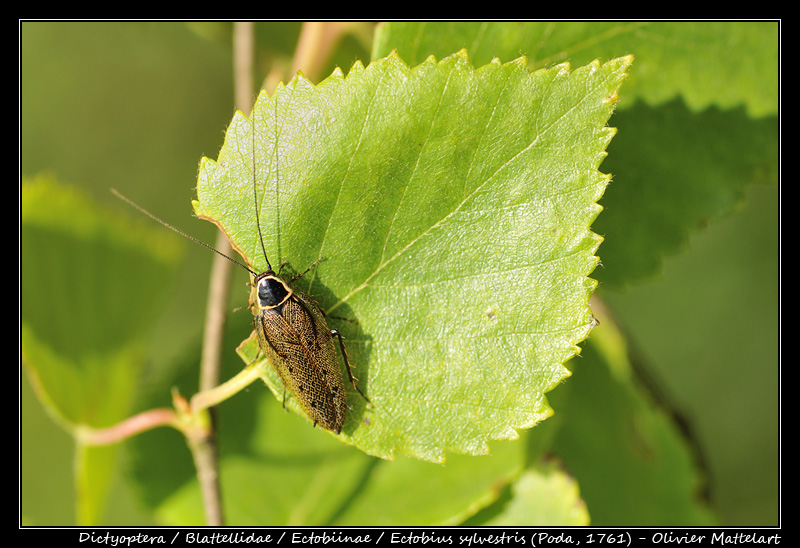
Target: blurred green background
point(136, 105)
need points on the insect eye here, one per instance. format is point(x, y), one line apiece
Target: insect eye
point(271, 292)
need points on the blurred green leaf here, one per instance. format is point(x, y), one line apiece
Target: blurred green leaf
point(727, 63)
point(674, 173)
point(635, 465)
point(452, 207)
point(543, 495)
point(409, 491)
point(83, 270)
point(83, 322)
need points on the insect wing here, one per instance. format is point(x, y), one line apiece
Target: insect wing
point(299, 344)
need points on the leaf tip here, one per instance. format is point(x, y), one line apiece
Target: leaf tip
point(522, 61)
point(356, 66)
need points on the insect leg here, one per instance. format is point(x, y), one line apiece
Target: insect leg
point(312, 265)
point(347, 364)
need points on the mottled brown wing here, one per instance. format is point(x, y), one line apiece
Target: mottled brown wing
point(299, 344)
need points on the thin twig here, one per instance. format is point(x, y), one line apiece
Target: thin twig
point(136, 424)
point(209, 398)
point(316, 41)
point(204, 449)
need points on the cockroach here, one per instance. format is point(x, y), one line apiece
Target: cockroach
point(293, 334)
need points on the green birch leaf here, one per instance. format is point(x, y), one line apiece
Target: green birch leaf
point(452, 209)
point(697, 124)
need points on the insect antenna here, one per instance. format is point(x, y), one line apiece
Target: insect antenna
point(255, 197)
point(181, 232)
